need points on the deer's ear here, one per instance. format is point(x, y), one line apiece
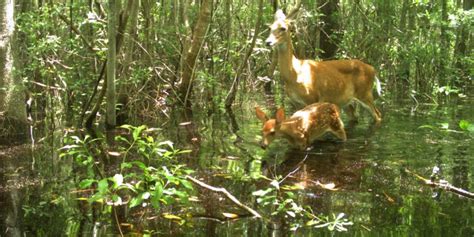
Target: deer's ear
point(279, 15)
point(280, 115)
point(260, 114)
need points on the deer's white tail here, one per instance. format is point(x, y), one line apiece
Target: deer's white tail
point(378, 86)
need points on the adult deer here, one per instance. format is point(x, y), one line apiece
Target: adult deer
point(304, 126)
point(309, 81)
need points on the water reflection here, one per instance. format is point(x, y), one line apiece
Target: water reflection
point(368, 173)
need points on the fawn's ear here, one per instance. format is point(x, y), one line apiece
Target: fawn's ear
point(260, 114)
point(280, 115)
point(279, 15)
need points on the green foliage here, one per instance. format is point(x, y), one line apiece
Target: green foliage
point(149, 173)
point(282, 202)
point(467, 126)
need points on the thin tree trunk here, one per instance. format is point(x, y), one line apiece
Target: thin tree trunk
point(187, 69)
point(274, 60)
point(462, 38)
point(111, 65)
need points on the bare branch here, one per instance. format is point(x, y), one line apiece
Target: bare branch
point(227, 194)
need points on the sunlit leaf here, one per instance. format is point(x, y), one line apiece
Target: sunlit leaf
point(444, 125)
point(137, 132)
point(114, 153)
point(261, 192)
point(146, 195)
point(118, 180)
point(171, 216)
point(466, 126)
point(136, 201)
point(230, 215)
point(313, 222)
point(329, 186)
point(275, 184)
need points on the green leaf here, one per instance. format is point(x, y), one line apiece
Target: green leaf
point(466, 126)
point(103, 186)
point(86, 183)
point(136, 201)
point(187, 184)
point(444, 125)
point(137, 132)
point(260, 193)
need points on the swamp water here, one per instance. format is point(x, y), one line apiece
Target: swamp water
point(374, 173)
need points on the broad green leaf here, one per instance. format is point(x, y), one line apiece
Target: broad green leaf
point(136, 201)
point(86, 183)
point(103, 186)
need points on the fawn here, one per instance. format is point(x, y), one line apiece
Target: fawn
point(304, 126)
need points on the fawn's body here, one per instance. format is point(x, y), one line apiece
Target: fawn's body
point(304, 126)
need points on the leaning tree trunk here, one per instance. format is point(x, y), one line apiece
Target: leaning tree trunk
point(12, 96)
point(188, 65)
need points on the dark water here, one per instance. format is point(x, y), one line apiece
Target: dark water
point(374, 189)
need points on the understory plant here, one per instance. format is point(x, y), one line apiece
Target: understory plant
point(281, 203)
point(148, 173)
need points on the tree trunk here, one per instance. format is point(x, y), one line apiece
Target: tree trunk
point(187, 68)
point(462, 38)
point(13, 120)
point(111, 65)
point(328, 41)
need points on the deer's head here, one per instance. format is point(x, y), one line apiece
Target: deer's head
point(278, 30)
point(270, 126)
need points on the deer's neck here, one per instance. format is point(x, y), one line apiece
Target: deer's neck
point(286, 59)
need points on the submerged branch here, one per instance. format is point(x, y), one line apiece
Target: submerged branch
point(444, 185)
point(226, 193)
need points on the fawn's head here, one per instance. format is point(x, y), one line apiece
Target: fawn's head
point(278, 30)
point(270, 126)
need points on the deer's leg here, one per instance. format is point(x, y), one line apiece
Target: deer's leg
point(350, 110)
point(368, 103)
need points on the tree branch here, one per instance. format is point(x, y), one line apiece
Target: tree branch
point(226, 193)
point(444, 185)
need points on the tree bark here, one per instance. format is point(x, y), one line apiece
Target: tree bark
point(13, 120)
point(111, 65)
point(328, 41)
point(462, 38)
point(187, 68)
